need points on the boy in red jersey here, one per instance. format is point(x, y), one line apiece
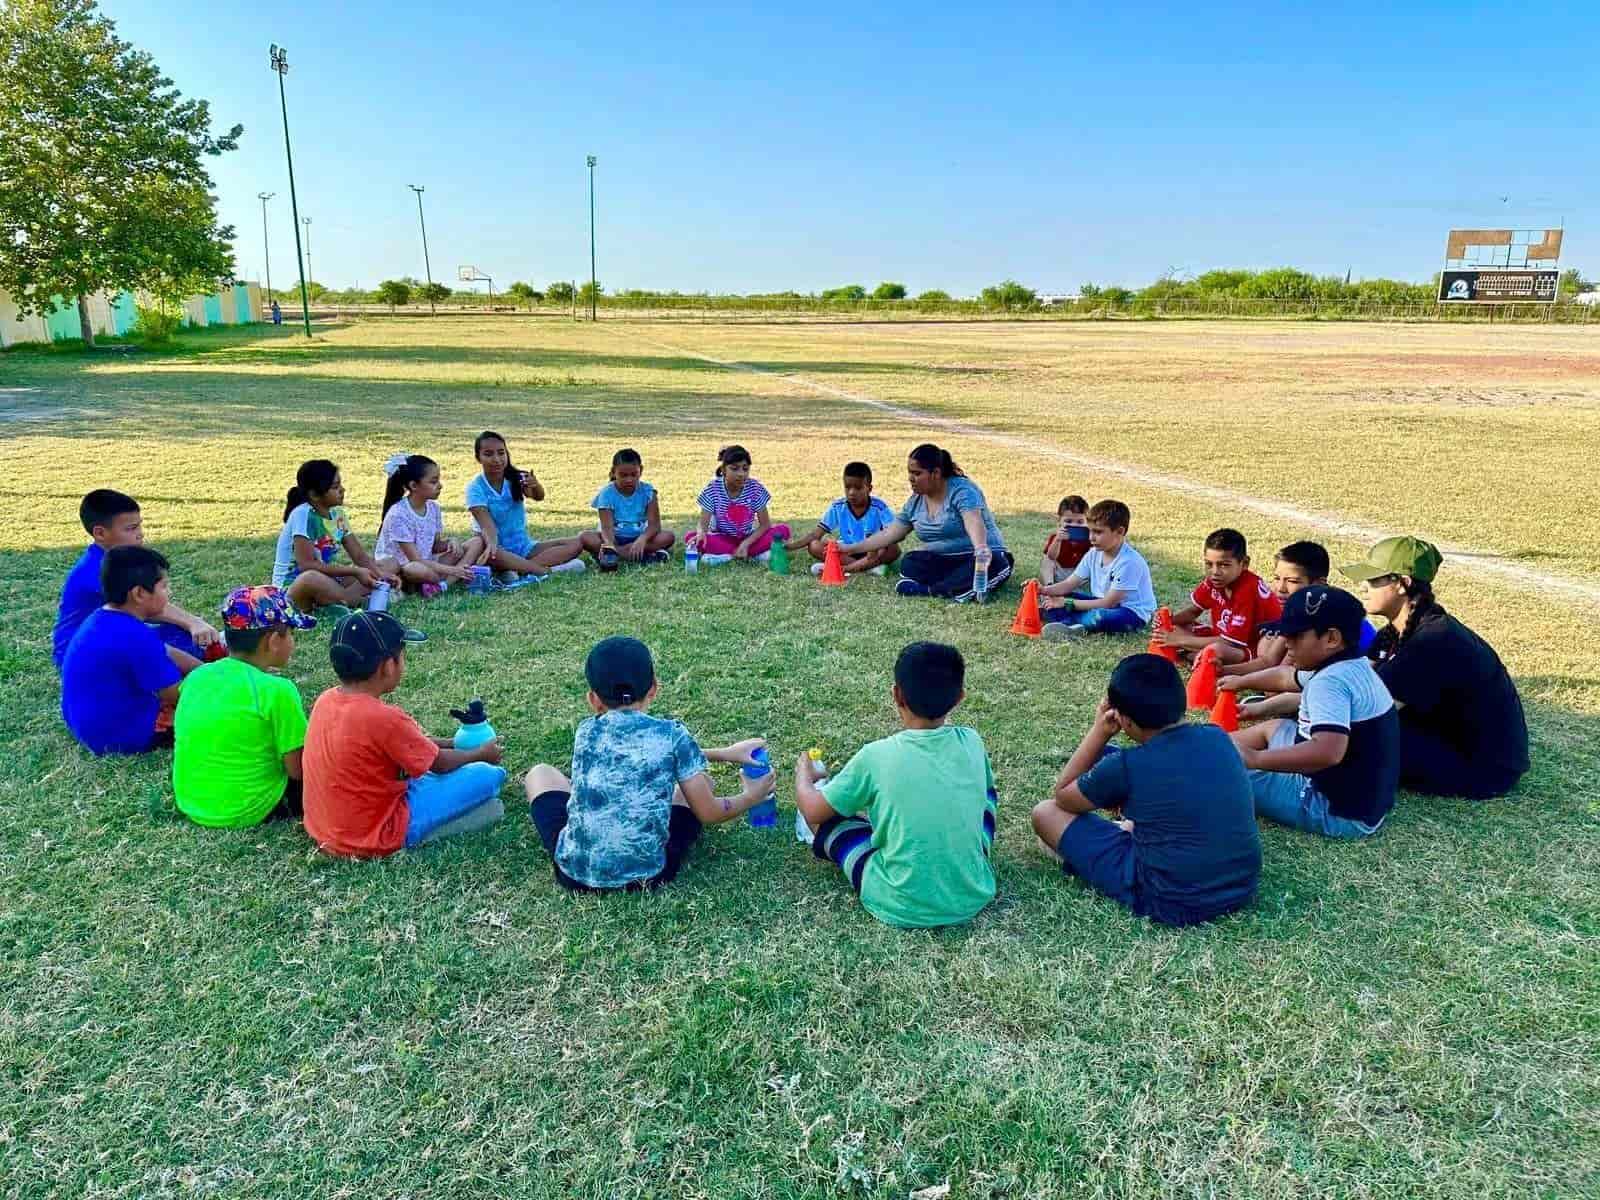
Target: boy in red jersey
point(1234, 598)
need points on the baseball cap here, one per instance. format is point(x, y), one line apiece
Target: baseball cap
point(266, 607)
point(1320, 608)
point(620, 671)
point(1398, 556)
point(363, 640)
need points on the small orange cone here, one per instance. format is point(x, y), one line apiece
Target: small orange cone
point(1026, 622)
point(1163, 618)
point(1202, 687)
point(832, 567)
point(1162, 622)
point(1225, 712)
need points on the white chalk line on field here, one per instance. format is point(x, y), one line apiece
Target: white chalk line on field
point(1485, 560)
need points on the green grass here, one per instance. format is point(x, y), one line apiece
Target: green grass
point(186, 1012)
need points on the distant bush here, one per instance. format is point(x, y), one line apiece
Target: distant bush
point(933, 295)
point(1008, 295)
point(154, 325)
point(889, 291)
point(559, 292)
point(850, 291)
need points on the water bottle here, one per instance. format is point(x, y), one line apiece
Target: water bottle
point(691, 558)
point(379, 600)
point(765, 814)
point(474, 729)
point(779, 561)
point(481, 581)
point(802, 831)
point(980, 573)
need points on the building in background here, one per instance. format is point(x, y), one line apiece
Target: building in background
point(113, 314)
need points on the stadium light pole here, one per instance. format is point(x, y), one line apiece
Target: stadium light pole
point(426, 265)
point(280, 65)
point(594, 287)
point(266, 246)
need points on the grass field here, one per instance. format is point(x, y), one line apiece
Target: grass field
point(185, 1012)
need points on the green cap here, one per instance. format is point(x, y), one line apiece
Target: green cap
point(1398, 556)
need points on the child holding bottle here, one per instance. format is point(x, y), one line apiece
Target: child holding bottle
point(733, 514)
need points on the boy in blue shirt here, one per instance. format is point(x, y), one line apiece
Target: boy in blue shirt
point(113, 519)
point(118, 685)
point(853, 517)
point(1120, 598)
point(1187, 849)
point(640, 791)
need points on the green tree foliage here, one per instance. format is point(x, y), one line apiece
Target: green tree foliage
point(434, 292)
point(850, 291)
point(588, 291)
point(524, 293)
point(1572, 283)
point(393, 292)
point(933, 295)
point(559, 292)
point(316, 291)
point(1008, 294)
point(889, 291)
point(102, 177)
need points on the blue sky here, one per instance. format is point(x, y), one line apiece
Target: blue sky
point(746, 148)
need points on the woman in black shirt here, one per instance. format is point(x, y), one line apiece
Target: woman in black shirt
point(1462, 730)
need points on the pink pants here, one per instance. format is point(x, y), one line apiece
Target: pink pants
point(722, 543)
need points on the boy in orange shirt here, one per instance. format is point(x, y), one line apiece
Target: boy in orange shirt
point(1234, 597)
point(374, 782)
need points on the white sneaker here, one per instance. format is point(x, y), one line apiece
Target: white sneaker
point(1061, 631)
point(816, 568)
point(715, 560)
point(764, 556)
point(880, 569)
point(575, 567)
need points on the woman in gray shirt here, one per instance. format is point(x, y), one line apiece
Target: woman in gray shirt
point(950, 516)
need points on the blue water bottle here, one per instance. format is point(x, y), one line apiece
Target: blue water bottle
point(475, 729)
point(765, 814)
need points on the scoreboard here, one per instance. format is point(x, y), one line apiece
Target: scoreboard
point(1500, 266)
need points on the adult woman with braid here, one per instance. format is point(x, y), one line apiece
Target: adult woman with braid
point(1462, 730)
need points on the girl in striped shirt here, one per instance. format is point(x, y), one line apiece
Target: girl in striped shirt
point(733, 513)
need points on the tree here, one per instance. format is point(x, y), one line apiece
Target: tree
point(102, 177)
point(587, 291)
point(559, 292)
point(850, 291)
point(393, 292)
point(314, 290)
point(1008, 294)
point(889, 291)
point(433, 292)
point(524, 293)
point(1572, 283)
point(932, 295)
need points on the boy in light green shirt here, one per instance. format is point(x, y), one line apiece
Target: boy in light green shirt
point(910, 819)
point(238, 733)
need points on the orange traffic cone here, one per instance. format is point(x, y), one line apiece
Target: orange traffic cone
point(1203, 681)
point(1027, 623)
point(832, 567)
point(1163, 618)
point(1162, 622)
point(1225, 712)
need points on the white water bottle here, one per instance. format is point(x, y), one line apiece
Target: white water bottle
point(802, 831)
point(379, 600)
point(980, 573)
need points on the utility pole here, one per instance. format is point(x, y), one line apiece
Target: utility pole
point(310, 277)
point(594, 287)
point(280, 64)
point(426, 265)
point(266, 246)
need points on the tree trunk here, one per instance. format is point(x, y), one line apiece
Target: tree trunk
point(86, 325)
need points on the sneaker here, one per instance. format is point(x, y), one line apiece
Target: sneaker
point(575, 567)
point(816, 568)
point(764, 557)
point(656, 557)
point(429, 590)
point(506, 578)
point(880, 569)
point(516, 581)
point(715, 560)
point(910, 587)
point(1061, 631)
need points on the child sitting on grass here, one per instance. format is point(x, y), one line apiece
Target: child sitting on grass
point(239, 728)
point(374, 782)
point(853, 517)
point(314, 529)
point(113, 519)
point(118, 683)
point(910, 820)
point(1187, 849)
point(1068, 543)
point(733, 514)
point(497, 499)
point(411, 541)
point(1333, 770)
point(639, 793)
point(1232, 597)
point(1120, 596)
point(630, 514)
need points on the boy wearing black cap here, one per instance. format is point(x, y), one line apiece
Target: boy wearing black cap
point(374, 782)
point(1335, 769)
point(639, 792)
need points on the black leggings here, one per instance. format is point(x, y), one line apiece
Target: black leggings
point(1432, 766)
point(951, 574)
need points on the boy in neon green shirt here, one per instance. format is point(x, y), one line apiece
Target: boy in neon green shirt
point(910, 819)
point(238, 734)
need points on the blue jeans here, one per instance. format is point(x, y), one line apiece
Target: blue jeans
point(1096, 620)
point(459, 801)
point(1293, 800)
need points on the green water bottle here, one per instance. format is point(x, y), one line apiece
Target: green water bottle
point(779, 558)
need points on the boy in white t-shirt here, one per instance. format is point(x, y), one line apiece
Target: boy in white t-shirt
point(1120, 597)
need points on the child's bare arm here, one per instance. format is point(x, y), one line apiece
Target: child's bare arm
point(805, 539)
point(608, 527)
point(1187, 616)
point(450, 759)
point(292, 764)
point(1068, 796)
point(713, 809)
point(1274, 679)
point(201, 630)
point(896, 532)
point(813, 806)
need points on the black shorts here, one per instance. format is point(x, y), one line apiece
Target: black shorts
point(549, 813)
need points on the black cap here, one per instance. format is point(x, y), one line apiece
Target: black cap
point(1321, 608)
point(362, 640)
point(620, 671)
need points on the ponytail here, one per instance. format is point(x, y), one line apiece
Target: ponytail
point(513, 477)
point(1389, 642)
point(931, 458)
point(403, 470)
point(315, 475)
point(730, 456)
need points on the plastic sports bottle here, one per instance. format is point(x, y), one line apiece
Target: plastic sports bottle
point(980, 573)
point(379, 600)
point(779, 562)
point(802, 831)
point(474, 729)
point(765, 814)
point(691, 557)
